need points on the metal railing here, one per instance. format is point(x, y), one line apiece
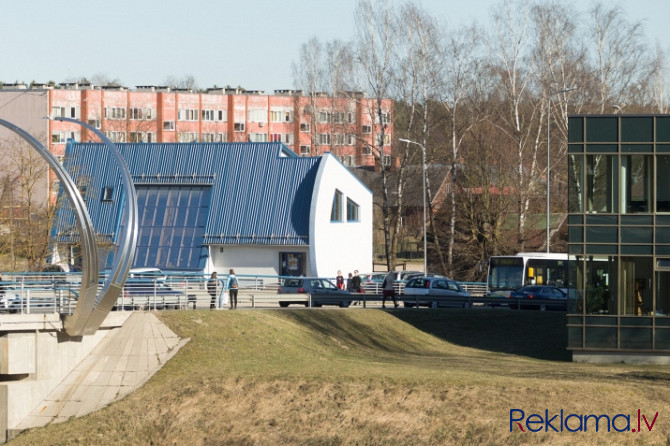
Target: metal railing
point(57, 292)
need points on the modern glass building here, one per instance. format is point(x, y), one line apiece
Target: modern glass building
point(619, 238)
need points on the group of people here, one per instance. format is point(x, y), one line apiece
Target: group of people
point(352, 283)
point(231, 285)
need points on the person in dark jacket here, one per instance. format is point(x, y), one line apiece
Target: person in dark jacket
point(211, 289)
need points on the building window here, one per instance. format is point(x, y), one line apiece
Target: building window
point(187, 137)
point(136, 113)
point(601, 183)
point(115, 136)
point(168, 125)
point(366, 129)
point(213, 137)
point(258, 116)
point(325, 117)
point(281, 116)
point(336, 211)
point(305, 150)
point(95, 123)
point(208, 115)
point(385, 118)
point(338, 139)
point(636, 183)
point(387, 139)
point(187, 114)
point(239, 126)
point(222, 115)
point(367, 150)
point(258, 137)
point(304, 126)
point(172, 223)
point(62, 137)
point(65, 112)
point(348, 160)
point(351, 139)
point(324, 139)
point(107, 194)
point(663, 184)
point(352, 211)
point(115, 113)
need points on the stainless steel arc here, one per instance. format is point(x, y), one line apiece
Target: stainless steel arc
point(124, 255)
point(89, 270)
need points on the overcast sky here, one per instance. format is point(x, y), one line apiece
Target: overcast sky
point(251, 43)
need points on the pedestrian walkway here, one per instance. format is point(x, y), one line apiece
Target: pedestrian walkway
point(121, 363)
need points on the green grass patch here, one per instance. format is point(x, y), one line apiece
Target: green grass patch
point(368, 377)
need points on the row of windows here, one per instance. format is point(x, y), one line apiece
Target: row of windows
point(61, 137)
point(627, 183)
point(65, 112)
point(337, 210)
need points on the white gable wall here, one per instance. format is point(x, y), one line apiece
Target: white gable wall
point(345, 246)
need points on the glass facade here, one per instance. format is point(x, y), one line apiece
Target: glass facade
point(171, 226)
point(619, 233)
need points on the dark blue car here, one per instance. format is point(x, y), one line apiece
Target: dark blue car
point(547, 297)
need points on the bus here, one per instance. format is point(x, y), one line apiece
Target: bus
point(509, 273)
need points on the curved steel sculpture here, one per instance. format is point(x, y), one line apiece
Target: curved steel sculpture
point(89, 270)
point(88, 322)
point(91, 309)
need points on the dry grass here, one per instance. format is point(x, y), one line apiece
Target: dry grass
point(335, 377)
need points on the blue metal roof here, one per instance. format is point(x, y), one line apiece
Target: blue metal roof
point(261, 192)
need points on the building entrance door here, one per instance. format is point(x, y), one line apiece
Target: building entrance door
point(291, 263)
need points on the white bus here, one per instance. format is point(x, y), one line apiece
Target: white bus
point(509, 273)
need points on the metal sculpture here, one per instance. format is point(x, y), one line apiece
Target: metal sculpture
point(88, 322)
point(91, 309)
point(89, 270)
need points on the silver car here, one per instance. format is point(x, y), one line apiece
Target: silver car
point(434, 292)
point(323, 292)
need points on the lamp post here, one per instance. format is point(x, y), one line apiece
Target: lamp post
point(423, 172)
point(549, 159)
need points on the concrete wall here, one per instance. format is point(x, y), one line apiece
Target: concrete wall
point(35, 356)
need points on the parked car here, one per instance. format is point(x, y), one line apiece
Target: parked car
point(148, 294)
point(558, 297)
point(372, 282)
point(409, 277)
point(434, 292)
point(322, 291)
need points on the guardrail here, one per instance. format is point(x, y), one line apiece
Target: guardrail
point(57, 293)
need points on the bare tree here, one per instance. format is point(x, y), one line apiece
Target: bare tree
point(375, 56)
point(27, 210)
point(521, 112)
point(461, 65)
point(620, 57)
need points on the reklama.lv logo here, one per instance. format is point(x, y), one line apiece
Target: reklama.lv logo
point(561, 422)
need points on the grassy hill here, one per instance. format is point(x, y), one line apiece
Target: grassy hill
point(369, 377)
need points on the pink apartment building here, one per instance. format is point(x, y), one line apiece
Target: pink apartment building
point(346, 125)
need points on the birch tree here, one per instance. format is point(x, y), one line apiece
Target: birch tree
point(374, 63)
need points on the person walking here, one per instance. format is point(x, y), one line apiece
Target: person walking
point(388, 290)
point(232, 286)
point(350, 283)
point(211, 289)
point(356, 283)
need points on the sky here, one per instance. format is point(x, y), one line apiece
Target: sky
point(248, 43)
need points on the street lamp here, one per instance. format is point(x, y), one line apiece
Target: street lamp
point(423, 171)
point(549, 157)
